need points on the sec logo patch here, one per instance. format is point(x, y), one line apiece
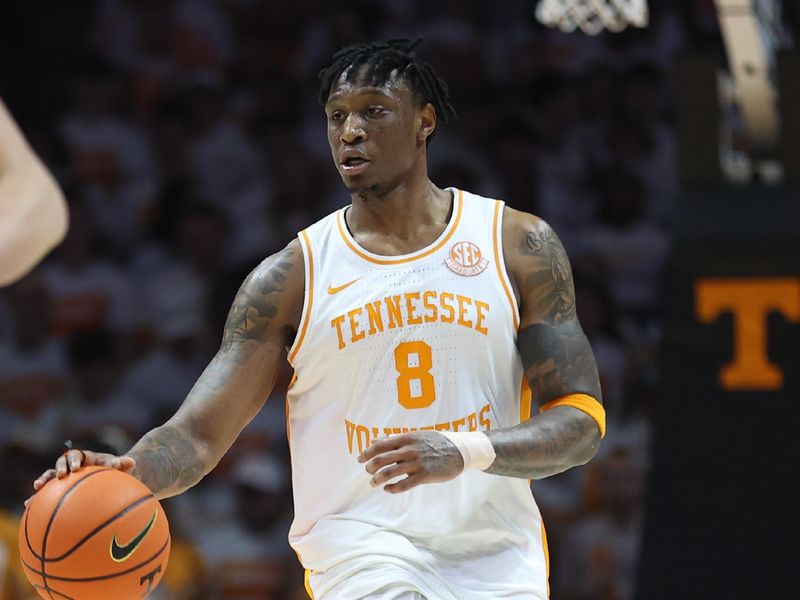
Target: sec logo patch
point(465, 258)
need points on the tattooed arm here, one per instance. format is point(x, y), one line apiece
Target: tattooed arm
point(261, 324)
point(555, 352)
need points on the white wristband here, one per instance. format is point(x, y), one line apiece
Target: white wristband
point(475, 447)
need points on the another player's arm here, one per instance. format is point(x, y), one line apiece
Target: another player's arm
point(556, 355)
point(33, 212)
point(261, 324)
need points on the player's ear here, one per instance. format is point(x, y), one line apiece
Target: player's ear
point(427, 122)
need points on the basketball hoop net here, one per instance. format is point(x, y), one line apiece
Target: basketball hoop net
point(592, 16)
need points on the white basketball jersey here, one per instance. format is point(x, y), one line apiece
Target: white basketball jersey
point(390, 344)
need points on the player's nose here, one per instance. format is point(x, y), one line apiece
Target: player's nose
point(353, 130)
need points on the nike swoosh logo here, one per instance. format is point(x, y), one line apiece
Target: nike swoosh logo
point(335, 290)
point(123, 553)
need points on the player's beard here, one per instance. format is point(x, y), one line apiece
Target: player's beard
point(372, 190)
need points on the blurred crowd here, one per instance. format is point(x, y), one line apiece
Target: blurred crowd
point(188, 138)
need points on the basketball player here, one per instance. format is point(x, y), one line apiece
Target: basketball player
point(33, 212)
point(411, 318)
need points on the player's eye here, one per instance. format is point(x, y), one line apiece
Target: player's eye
point(336, 115)
point(374, 111)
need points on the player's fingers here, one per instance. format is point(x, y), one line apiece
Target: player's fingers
point(75, 459)
point(391, 472)
point(61, 467)
point(381, 446)
point(124, 463)
point(412, 481)
point(387, 458)
point(43, 478)
point(102, 459)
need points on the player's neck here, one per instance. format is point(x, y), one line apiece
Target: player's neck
point(406, 219)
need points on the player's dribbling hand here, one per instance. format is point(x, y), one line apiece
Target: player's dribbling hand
point(74, 459)
point(422, 456)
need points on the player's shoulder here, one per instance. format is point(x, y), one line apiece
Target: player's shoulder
point(529, 242)
point(280, 271)
point(519, 224)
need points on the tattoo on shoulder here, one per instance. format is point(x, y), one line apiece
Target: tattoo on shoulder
point(555, 352)
point(536, 240)
point(549, 274)
point(257, 301)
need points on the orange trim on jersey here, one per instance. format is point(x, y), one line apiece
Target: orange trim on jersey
point(307, 584)
point(497, 255)
point(288, 420)
point(525, 397)
point(585, 403)
point(546, 558)
point(310, 295)
point(399, 261)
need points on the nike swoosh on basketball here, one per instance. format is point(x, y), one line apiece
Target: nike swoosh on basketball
point(123, 553)
point(335, 290)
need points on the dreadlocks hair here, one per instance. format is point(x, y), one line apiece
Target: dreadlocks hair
point(383, 60)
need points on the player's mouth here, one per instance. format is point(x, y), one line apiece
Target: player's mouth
point(354, 165)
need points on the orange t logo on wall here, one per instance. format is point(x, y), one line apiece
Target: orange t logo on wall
point(749, 300)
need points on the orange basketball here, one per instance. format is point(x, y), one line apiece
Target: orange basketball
point(98, 534)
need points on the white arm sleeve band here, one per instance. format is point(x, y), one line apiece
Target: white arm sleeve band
point(475, 448)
